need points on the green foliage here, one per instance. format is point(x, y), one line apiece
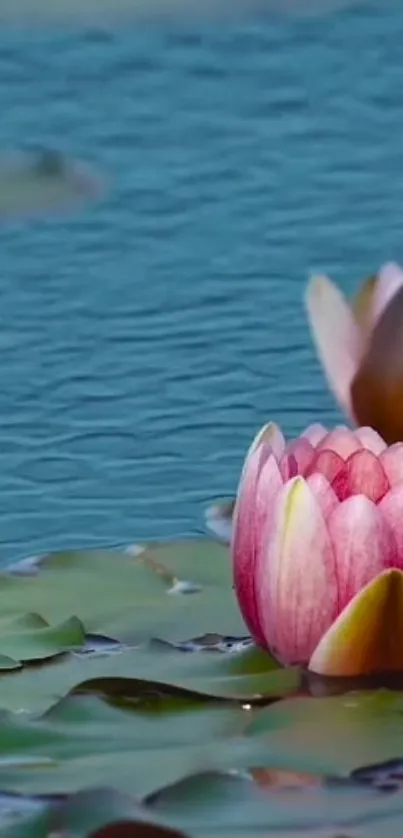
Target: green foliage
point(132, 703)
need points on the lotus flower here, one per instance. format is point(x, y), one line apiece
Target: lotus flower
point(317, 549)
point(361, 348)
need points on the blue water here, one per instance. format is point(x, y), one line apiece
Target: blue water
point(145, 339)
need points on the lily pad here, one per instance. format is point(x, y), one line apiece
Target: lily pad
point(332, 735)
point(219, 519)
point(32, 184)
point(247, 677)
point(99, 813)
point(136, 747)
point(132, 596)
point(225, 805)
point(29, 637)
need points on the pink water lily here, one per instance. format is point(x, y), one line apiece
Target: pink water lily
point(317, 549)
point(361, 347)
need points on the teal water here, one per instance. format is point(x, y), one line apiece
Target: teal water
point(145, 339)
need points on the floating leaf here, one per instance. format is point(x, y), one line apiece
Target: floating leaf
point(106, 812)
point(249, 676)
point(219, 519)
point(126, 596)
point(332, 735)
point(28, 637)
point(137, 747)
point(227, 805)
point(43, 182)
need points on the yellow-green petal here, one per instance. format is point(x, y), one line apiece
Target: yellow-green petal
point(367, 637)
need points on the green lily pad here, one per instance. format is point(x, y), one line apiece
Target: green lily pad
point(136, 748)
point(246, 677)
point(28, 637)
point(99, 813)
point(173, 591)
point(210, 805)
point(332, 735)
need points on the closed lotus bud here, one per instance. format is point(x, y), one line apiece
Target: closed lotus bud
point(317, 549)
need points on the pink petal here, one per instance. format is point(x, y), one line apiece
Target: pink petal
point(269, 434)
point(243, 542)
point(391, 507)
point(268, 486)
point(327, 463)
point(363, 544)
point(392, 463)
point(342, 441)
point(362, 474)
point(253, 502)
point(390, 280)
point(336, 335)
point(324, 494)
point(296, 581)
point(297, 458)
point(371, 440)
point(315, 433)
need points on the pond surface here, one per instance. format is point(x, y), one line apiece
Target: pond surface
point(144, 339)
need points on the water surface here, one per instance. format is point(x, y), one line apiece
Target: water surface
point(145, 339)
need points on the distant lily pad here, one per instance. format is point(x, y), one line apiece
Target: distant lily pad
point(43, 182)
point(219, 519)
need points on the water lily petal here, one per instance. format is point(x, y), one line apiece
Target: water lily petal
point(327, 463)
point(342, 441)
point(371, 440)
point(324, 494)
point(269, 484)
point(391, 507)
point(269, 434)
point(297, 458)
point(363, 545)
point(392, 463)
point(362, 474)
point(336, 335)
point(377, 387)
point(367, 635)
point(315, 433)
point(296, 582)
point(252, 505)
point(363, 305)
point(390, 280)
